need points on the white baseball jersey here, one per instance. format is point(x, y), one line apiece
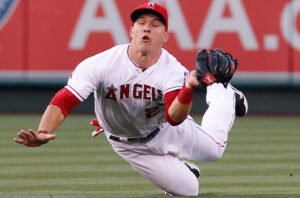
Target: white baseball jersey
point(128, 101)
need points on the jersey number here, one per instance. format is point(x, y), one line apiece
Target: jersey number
point(150, 112)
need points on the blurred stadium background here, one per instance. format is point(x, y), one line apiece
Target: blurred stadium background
point(42, 41)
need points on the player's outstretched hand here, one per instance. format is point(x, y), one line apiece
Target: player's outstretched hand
point(31, 138)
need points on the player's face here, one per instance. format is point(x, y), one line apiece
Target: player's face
point(148, 33)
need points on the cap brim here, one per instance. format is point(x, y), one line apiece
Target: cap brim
point(137, 13)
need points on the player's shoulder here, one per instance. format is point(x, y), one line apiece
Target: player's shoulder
point(116, 49)
point(103, 60)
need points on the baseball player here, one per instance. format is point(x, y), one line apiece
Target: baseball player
point(143, 97)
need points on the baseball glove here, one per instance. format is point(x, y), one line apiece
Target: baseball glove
point(215, 66)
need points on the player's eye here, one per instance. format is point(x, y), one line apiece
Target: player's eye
point(141, 21)
point(156, 23)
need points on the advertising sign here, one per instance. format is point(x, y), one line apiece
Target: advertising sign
point(46, 39)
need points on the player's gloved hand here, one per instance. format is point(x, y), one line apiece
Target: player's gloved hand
point(98, 130)
point(215, 66)
point(31, 138)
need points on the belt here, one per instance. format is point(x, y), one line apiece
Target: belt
point(140, 139)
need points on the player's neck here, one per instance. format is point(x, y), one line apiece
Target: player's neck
point(144, 59)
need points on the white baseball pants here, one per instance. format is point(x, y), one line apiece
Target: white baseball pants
point(158, 159)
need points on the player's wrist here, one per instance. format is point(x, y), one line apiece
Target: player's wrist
point(42, 132)
point(186, 94)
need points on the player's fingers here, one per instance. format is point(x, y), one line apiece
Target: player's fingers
point(192, 80)
point(33, 133)
point(25, 143)
point(22, 136)
point(20, 141)
point(193, 73)
point(27, 135)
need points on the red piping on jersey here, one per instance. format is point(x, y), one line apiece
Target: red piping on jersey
point(65, 100)
point(133, 60)
point(76, 92)
point(221, 145)
point(232, 120)
point(176, 87)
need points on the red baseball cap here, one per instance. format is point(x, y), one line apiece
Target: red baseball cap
point(152, 8)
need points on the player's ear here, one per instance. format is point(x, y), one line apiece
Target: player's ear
point(130, 32)
point(167, 36)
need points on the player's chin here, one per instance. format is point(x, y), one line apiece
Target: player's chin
point(145, 45)
point(145, 49)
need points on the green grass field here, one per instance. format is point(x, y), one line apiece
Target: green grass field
point(262, 160)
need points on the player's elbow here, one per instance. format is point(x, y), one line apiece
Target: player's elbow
point(172, 120)
point(172, 123)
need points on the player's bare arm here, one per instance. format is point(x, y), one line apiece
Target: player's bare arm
point(178, 111)
point(51, 119)
point(62, 103)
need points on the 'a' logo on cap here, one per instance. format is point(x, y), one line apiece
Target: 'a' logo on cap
point(151, 6)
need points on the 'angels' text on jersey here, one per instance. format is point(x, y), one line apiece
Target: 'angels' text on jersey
point(137, 91)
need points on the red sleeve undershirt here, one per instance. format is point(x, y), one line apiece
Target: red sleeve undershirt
point(65, 100)
point(184, 96)
point(169, 98)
